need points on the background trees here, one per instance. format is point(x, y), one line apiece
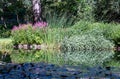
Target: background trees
point(20, 11)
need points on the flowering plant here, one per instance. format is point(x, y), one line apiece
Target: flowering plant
point(28, 34)
point(40, 24)
point(21, 27)
point(26, 26)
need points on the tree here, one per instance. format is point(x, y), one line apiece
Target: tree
point(36, 7)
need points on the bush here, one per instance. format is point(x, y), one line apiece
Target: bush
point(27, 34)
point(88, 43)
point(85, 26)
point(109, 31)
point(113, 32)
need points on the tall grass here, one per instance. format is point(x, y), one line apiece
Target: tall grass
point(59, 21)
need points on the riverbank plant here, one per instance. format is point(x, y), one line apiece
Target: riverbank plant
point(28, 34)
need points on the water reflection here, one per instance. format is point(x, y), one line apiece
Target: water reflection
point(61, 57)
point(5, 57)
point(87, 57)
point(48, 56)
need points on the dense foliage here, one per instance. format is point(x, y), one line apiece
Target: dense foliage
point(26, 34)
point(86, 42)
point(70, 24)
point(84, 49)
point(110, 31)
point(20, 11)
point(107, 10)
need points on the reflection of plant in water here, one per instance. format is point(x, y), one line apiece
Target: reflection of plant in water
point(5, 57)
point(88, 57)
point(37, 56)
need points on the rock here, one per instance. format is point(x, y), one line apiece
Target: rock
point(44, 46)
point(25, 46)
point(20, 46)
point(38, 47)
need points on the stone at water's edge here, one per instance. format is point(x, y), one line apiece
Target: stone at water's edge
point(27, 46)
point(50, 71)
point(30, 47)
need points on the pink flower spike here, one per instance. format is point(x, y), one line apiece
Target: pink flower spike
point(15, 28)
point(40, 24)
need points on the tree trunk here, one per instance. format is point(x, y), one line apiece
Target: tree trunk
point(36, 7)
point(17, 16)
point(2, 19)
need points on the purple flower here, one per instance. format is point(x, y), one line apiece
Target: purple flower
point(21, 26)
point(26, 26)
point(15, 28)
point(40, 24)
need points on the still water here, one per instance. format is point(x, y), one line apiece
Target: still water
point(59, 57)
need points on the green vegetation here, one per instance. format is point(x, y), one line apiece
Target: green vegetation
point(90, 38)
point(87, 49)
point(47, 56)
point(26, 34)
point(112, 63)
point(86, 42)
point(5, 45)
point(83, 36)
point(85, 31)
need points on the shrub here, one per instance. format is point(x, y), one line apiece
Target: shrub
point(89, 43)
point(27, 34)
point(85, 26)
point(109, 31)
point(113, 32)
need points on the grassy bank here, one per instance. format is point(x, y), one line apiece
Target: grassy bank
point(5, 45)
